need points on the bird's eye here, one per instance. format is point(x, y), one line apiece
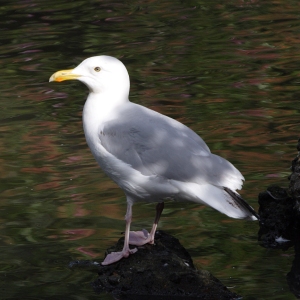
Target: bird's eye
point(97, 69)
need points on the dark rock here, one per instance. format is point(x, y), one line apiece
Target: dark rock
point(277, 218)
point(164, 270)
point(279, 212)
point(293, 277)
point(280, 217)
point(294, 178)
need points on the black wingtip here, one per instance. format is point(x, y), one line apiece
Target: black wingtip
point(236, 197)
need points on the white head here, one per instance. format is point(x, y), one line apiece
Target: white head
point(101, 74)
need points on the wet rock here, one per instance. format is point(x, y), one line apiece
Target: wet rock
point(280, 220)
point(293, 277)
point(294, 178)
point(279, 212)
point(164, 270)
point(277, 218)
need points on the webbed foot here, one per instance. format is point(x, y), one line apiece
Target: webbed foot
point(139, 238)
point(116, 256)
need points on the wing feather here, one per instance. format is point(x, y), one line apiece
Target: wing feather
point(155, 144)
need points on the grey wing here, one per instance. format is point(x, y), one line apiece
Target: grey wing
point(157, 145)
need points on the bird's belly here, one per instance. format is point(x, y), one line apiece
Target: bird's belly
point(140, 187)
point(135, 184)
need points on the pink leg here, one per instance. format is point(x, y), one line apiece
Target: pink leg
point(116, 256)
point(139, 238)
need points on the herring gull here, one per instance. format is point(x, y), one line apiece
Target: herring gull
point(149, 155)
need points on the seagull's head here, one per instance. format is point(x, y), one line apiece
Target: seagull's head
point(101, 74)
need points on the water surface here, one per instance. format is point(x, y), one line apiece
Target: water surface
point(229, 70)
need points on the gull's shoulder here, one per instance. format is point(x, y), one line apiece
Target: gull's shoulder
point(147, 123)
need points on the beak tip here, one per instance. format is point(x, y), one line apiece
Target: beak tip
point(52, 78)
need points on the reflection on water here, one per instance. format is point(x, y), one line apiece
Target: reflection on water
point(228, 71)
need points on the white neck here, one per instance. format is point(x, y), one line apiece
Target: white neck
point(98, 109)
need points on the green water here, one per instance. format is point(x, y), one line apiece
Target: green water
point(227, 69)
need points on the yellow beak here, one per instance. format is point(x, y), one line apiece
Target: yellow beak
point(63, 75)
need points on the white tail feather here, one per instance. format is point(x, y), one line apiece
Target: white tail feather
point(215, 197)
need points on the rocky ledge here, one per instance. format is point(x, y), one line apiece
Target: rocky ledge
point(164, 270)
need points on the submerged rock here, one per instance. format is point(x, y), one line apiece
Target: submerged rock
point(164, 270)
